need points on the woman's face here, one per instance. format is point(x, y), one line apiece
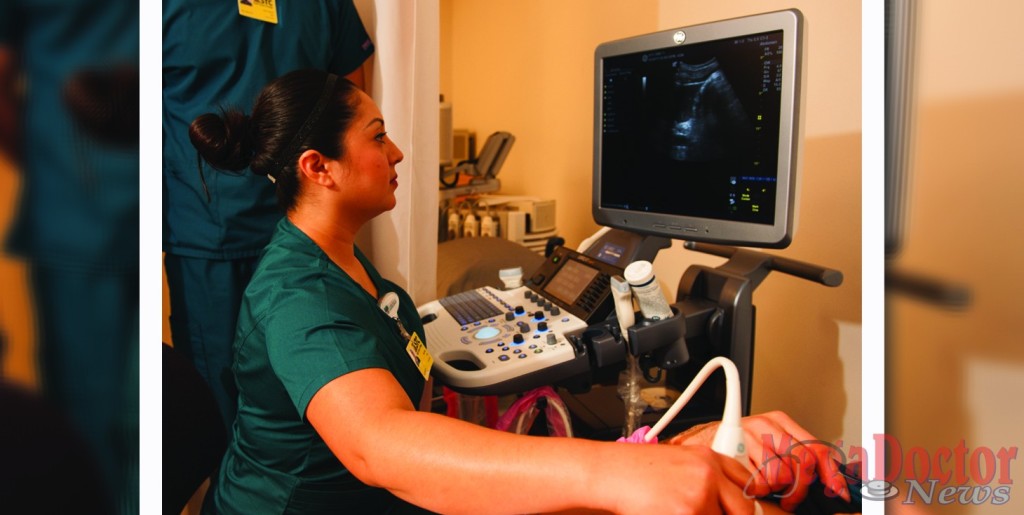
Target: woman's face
point(368, 176)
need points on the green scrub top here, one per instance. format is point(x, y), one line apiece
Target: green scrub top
point(303, 323)
point(215, 58)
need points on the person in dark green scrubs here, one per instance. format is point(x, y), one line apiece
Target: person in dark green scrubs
point(218, 55)
point(69, 93)
point(330, 365)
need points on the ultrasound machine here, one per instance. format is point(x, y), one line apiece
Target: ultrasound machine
point(696, 135)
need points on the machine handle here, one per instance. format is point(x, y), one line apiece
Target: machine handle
point(811, 272)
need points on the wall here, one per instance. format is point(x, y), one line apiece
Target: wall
point(957, 375)
point(530, 71)
point(17, 330)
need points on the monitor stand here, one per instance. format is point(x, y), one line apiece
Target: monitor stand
point(714, 317)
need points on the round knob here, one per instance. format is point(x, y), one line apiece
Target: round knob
point(555, 311)
point(517, 338)
point(520, 310)
point(542, 326)
point(539, 315)
point(552, 339)
point(509, 315)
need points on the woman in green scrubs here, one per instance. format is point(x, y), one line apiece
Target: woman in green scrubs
point(329, 369)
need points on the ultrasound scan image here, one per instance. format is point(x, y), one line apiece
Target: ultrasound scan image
point(707, 113)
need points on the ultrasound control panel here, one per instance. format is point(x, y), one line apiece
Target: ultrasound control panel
point(577, 283)
point(493, 342)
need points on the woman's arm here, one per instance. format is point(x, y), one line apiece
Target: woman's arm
point(451, 466)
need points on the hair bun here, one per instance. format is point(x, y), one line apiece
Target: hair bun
point(224, 141)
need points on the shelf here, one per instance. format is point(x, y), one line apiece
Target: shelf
point(473, 188)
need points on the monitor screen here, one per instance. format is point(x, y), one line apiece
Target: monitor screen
point(695, 131)
point(570, 281)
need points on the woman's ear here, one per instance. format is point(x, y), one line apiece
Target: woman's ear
point(313, 166)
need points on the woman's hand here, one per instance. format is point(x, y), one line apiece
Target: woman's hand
point(782, 456)
point(683, 479)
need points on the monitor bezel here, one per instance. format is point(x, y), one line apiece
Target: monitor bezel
point(779, 233)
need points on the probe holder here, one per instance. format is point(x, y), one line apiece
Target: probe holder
point(714, 313)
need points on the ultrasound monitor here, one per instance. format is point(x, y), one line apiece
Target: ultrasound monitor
point(696, 131)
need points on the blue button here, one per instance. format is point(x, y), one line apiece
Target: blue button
point(464, 328)
point(566, 319)
point(503, 357)
point(517, 351)
point(521, 356)
point(534, 346)
point(489, 351)
point(487, 332)
point(504, 349)
point(476, 323)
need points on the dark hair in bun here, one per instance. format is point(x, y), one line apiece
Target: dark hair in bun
point(305, 109)
point(225, 140)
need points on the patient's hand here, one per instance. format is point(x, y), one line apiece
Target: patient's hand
point(782, 456)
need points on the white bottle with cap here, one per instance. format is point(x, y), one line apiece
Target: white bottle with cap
point(640, 275)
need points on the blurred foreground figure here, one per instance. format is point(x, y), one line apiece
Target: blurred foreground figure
point(69, 114)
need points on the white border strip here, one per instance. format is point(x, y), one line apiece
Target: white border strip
point(872, 230)
point(150, 271)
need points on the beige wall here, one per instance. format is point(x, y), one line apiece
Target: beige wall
point(959, 375)
point(529, 70)
point(18, 362)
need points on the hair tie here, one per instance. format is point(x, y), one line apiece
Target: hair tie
point(307, 126)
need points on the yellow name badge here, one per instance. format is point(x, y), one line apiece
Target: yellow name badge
point(263, 10)
point(420, 355)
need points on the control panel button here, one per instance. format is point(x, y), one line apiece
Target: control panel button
point(510, 315)
point(520, 310)
point(542, 326)
point(489, 350)
point(503, 357)
point(487, 333)
point(555, 311)
point(521, 356)
point(517, 338)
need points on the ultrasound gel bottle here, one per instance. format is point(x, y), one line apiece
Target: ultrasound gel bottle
point(640, 276)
